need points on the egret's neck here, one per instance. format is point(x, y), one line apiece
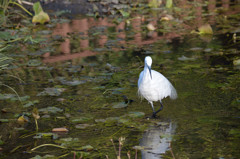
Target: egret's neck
point(146, 73)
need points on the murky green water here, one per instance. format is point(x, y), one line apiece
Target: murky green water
point(82, 75)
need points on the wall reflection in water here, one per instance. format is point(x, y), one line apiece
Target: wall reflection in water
point(134, 33)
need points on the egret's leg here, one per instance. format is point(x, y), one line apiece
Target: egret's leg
point(161, 108)
point(154, 113)
point(152, 107)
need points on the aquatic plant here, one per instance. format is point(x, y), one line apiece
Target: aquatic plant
point(5, 12)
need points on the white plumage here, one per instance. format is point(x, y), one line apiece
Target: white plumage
point(153, 86)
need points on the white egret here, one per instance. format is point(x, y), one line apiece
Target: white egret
point(153, 86)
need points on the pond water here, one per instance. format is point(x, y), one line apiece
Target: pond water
point(81, 74)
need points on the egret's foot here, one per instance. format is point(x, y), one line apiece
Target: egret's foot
point(151, 117)
point(154, 115)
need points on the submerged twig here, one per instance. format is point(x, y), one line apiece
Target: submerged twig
point(171, 150)
point(114, 146)
point(129, 155)
point(136, 154)
point(121, 141)
point(27, 135)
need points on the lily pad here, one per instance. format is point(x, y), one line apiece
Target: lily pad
point(111, 119)
point(69, 142)
point(120, 105)
point(51, 91)
point(4, 120)
point(7, 96)
point(85, 148)
point(82, 126)
point(30, 103)
point(23, 98)
point(72, 83)
point(50, 110)
point(34, 63)
point(44, 157)
point(184, 58)
point(46, 135)
point(236, 62)
point(136, 114)
point(82, 119)
point(13, 97)
point(100, 120)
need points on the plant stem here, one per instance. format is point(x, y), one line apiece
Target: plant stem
point(36, 125)
point(48, 145)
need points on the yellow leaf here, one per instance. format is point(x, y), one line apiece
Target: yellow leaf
point(21, 119)
point(205, 29)
point(150, 27)
point(59, 130)
point(35, 113)
point(41, 18)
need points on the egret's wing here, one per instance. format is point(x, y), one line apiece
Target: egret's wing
point(163, 86)
point(173, 94)
point(139, 83)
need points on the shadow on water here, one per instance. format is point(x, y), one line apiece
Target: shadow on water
point(81, 75)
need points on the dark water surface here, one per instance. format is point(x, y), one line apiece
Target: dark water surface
point(82, 74)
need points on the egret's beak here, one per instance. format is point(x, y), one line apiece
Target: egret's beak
point(149, 67)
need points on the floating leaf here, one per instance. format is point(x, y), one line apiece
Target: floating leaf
point(59, 130)
point(51, 91)
point(45, 157)
point(4, 120)
point(205, 29)
point(30, 103)
point(46, 135)
point(100, 120)
point(50, 110)
point(136, 114)
point(236, 62)
point(86, 148)
point(82, 126)
point(120, 105)
point(6, 96)
point(34, 62)
point(184, 58)
point(72, 83)
point(112, 119)
point(69, 142)
point(82, 119)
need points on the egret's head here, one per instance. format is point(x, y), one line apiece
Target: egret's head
point(148, 63)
